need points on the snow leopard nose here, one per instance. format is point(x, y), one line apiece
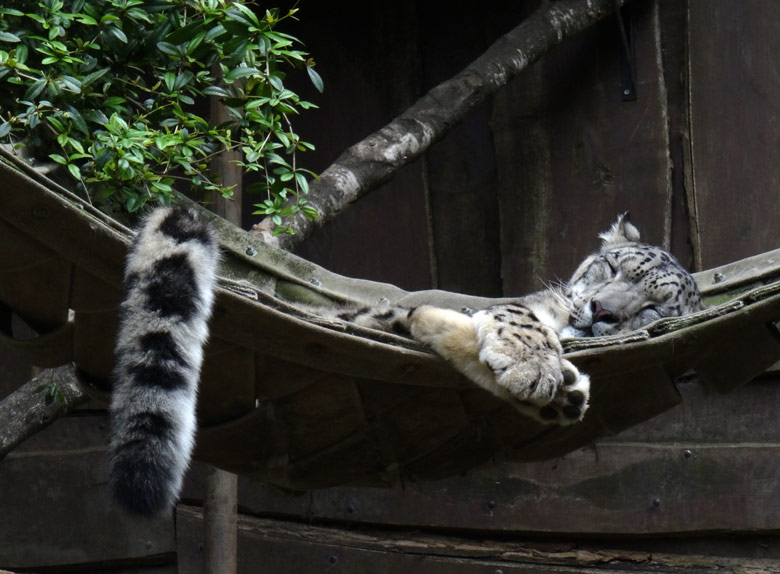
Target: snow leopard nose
point(601, 315)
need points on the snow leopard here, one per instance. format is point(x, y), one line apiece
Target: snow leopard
point(512, 349)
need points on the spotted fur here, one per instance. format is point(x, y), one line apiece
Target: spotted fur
point(627, 285)
point(169, 282)
point(512, 350)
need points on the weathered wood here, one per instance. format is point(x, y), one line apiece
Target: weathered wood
point(611, 488)
point(30, 267)
point(392, 225)
point(369, 163)
point(221, 500)
point(709, 462)
point(569, 151)
point(733, 94)
point(282, 547)
point(57, 509)
point(219, 522)
point(461, 169)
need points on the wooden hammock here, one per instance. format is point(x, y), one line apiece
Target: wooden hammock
point(304, 403)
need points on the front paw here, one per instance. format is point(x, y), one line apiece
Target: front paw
point(549, 389)
point(528, 368)
point(533, 378)
point(570, 401)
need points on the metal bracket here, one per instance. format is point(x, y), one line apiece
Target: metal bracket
point(625, 22)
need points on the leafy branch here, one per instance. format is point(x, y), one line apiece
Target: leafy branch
point(113, 90)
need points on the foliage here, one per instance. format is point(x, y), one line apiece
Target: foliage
point(52, 392)
point(114, 91)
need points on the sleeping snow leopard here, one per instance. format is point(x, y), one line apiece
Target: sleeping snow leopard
point(512, 350)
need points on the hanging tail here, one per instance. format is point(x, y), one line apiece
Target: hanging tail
point(169, 283)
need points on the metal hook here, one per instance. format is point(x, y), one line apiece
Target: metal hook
point(628, 53)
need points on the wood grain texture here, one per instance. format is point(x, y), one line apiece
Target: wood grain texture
point(289, 547)
point(58, 510)
point(734, 95)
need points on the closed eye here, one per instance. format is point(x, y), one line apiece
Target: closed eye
point(613, 266)
point(648, 315)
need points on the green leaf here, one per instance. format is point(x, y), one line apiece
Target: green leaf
point(71, 84)
point(118, 34)
point(35, 89)
point(242, 72)
point(315, 79)
point(249, 16)
point(97, 74)
point(20, 53)
point(214, 33)
point(84, 19)
point(302, 182)
point(276, 82)
point(5, 129)
point(182, 79)
point(9, 37)
point(193, 44)
point(170, 80)
point(74, 171)
point(216, 91)
point(168, 48)
point(113, 101)
point(78, 120)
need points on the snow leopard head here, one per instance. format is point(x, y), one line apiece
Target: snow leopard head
point(627, 285)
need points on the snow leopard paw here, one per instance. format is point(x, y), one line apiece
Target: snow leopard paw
point(525, 358)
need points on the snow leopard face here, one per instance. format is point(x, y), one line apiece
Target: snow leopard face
point(626, 286)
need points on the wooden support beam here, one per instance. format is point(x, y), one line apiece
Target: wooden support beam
point(221, 500)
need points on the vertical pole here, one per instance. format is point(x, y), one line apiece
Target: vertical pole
point(221, 501)
point(219, 522)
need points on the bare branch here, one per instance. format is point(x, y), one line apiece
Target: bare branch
point(373, 161)
point(26, 411)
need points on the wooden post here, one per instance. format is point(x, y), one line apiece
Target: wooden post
point(219, 522)
point(221, 501)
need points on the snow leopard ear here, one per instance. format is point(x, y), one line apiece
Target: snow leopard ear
point(622, 231)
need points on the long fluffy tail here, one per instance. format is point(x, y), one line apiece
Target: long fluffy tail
point(169, 282)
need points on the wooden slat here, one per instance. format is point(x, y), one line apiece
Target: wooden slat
point(56, 507)
point(289, 547)
point(392, 225)
point(462, 176)
point(711, 463)
point(572, 155)
point(734, 97)
point(27, 266)
point(612, 488)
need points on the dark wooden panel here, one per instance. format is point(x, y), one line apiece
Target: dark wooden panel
point(712, 463)
point(734, 116)
point(57, 510)
point(371, 75)
point(572, 155)
point(288, 547)
point(611, 488)
point(15, 372)
point(462, 175)
point(673, 49)
point(745, 415)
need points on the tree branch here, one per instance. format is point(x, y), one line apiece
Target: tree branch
point(26, 411)
point(373, 161)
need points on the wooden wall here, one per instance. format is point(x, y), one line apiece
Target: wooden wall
point(516, 194)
